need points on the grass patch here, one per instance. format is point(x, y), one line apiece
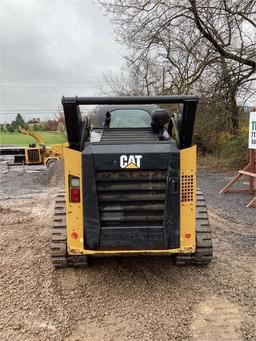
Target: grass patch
point(20, 140)
point(214, 162)
point(231, 152)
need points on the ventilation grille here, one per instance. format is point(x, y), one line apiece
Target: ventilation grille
point(143, 135)
point(33, 155)
point(131, 198)
point(187, 188)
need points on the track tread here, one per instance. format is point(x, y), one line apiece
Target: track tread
point(58, 247)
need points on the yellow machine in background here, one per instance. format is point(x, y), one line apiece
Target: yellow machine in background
point(38, 153)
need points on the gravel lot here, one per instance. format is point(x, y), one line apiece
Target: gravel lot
point(139, 298)
point(233, 206)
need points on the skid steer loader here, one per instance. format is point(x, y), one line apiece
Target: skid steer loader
point(130, 183)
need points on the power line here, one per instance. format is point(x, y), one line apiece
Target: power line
point(50, 80)
point(15, 111)
point(88, 86)
point(29, 109)
point(41, 109)
point(30, 113)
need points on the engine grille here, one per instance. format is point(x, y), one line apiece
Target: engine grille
point(33, 155)
point(131, 198)
point(141, 135)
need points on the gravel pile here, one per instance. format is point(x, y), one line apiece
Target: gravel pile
point(53, 176)
point(139, 298)
point(31, 180)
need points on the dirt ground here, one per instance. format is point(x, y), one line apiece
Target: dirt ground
point(141, 298)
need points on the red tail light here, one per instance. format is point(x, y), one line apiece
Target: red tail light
point(75, 194)
point(74, 184)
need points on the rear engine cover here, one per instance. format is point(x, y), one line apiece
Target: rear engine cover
point(131, 192)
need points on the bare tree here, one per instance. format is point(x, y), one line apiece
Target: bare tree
point(137, 78)
point(121, 84)
point(195, 42)
point(223, 23)
point(229, 29)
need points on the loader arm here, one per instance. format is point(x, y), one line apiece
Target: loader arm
point(36, 136)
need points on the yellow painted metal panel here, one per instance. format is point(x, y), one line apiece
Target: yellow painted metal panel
point(188, 199)
point(73, 166)
point(74, 211)
point(187, 210)
point(127, 252)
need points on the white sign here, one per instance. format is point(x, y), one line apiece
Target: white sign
point(252, 130)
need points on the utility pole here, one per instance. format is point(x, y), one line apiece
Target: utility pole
point(163, 85)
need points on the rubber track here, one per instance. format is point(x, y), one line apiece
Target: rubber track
point(59, 256)
point(204, 253)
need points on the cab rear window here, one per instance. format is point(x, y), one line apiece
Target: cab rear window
point(130, 118)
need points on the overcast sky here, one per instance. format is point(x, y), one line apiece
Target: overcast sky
point(51, 48)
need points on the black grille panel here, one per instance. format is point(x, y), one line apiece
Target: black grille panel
point(33, 155)
point(131, 198)
point(141, 135)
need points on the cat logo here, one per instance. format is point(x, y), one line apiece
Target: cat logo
point(130, 161)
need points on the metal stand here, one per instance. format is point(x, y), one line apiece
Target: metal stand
point(15, 164)
point(250, 171)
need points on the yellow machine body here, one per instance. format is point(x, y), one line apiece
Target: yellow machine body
point(74, 211)
point(40, 154)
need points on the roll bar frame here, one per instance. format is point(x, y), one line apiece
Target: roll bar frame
point(74, 120)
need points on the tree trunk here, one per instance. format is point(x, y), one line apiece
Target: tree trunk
point(234, 113)
point(231, 87)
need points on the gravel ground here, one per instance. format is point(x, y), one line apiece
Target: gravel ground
point(139, 298)
point(233, 206)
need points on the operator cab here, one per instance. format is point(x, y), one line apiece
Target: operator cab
point(130, 122)
point(126, 116)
